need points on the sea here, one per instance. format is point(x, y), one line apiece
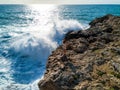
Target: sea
point(29, 33)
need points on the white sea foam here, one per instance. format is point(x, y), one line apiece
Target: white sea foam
point(36, 46)
point(39, 42)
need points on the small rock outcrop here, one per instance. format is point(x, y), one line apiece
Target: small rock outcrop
point(91, 60)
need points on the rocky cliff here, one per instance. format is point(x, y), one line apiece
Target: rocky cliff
point(87, 60)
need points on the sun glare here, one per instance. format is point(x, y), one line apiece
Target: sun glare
point(42, 7)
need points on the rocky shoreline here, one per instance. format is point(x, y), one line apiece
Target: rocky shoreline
point(91, 60)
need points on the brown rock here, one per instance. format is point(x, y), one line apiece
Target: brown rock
point(48, 85)
point(91, 60)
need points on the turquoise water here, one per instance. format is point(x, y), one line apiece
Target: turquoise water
point(29, 33)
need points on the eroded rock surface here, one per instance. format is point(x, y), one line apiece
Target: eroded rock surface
point(91, 61)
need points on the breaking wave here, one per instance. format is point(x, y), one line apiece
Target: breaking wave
point(25, 47)
point(28, 52)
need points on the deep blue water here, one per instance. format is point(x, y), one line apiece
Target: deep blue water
point(29, 33)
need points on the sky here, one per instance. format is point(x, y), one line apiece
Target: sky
point(59, 1)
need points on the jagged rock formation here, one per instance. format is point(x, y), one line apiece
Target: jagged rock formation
point(91, 61)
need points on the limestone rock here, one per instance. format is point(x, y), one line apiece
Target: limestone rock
point(91, 61)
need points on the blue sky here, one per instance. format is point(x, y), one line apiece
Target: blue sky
point(60, 1)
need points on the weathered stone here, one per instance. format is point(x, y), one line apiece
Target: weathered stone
point(90, 61)
point(49, 85)
point(81, 49)
point(116, 50)
point(116, 66)
point(97, 86)
point(100, 61)
point(100, 20)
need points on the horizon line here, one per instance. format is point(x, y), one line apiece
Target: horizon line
point(59, 4)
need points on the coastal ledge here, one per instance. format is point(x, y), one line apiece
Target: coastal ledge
point(91, 60)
